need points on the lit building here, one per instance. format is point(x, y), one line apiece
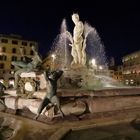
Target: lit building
point(116, 73)
point(131, 68)
point(9, 51)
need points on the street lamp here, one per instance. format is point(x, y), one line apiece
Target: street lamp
point(100, 67)
point(93, 62)
point(53, 56)
point(53, 59)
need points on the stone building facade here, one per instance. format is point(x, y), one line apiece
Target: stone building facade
point(9, 51)
point(131, 69)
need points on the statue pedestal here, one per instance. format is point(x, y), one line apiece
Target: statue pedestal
point(75, 108)
point(78, 66)
point(73, 76)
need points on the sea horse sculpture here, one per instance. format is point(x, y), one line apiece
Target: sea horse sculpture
point(27, 65)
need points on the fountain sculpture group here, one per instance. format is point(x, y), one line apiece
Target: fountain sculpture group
point(75, 70)
point(26, 86)
point(84, 61)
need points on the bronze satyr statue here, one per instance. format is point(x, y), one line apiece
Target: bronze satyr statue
point(51, 97)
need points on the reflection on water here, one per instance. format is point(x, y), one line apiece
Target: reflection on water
point(114, 132)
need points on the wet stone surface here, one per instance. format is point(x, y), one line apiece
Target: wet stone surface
point(14, 129)
point(114, 132)
point(6, 131)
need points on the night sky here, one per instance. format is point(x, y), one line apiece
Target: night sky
point(117, 22)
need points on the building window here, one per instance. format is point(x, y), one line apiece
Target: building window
point(14, 58)
point(14, 50)
point(1, 65)
point(4, 40)
point(32, 44)
point(3, 49)
point(15, 42)
point(31, 52)
point(120, 73)
point(3, 57)
point(22, 58)
point(24, 51)
point(24, 43)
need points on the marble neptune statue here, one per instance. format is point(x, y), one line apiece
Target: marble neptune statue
point(78, 42)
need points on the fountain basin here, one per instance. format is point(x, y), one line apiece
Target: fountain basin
point(79, 102)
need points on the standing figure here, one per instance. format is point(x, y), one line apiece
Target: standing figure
point(77, 44)
point(27, 65)
point(51, 97)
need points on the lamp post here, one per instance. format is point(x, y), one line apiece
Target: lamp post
point(93, 65)
point(93, 62)
point(53, 60)
point(100, 68)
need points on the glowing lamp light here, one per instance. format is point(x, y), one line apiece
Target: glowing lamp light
point(100, 67)
point(53, 61)
point(11, 82)
point(1, 80)
point(12, 72)
point(53, 56)
point(93, 62)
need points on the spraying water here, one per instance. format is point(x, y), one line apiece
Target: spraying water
point(93, 72)
point(93, 46)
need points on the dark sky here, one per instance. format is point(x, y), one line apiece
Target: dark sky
point(117, 21)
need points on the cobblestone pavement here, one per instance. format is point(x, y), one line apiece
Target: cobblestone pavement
point(57, 128)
